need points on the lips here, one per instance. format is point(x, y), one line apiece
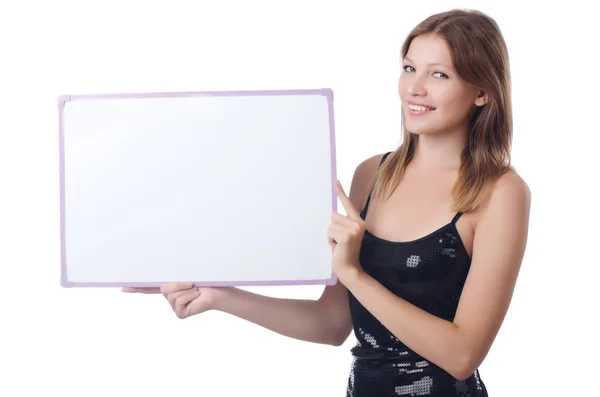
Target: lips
point(419, 107)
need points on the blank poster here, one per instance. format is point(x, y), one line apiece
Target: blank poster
point(225, 188)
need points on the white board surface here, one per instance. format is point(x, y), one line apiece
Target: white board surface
point(219, 188)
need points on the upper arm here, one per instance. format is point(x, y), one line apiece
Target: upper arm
point(498, 249)
point(335, 297)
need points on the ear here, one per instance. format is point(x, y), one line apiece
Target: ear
point(482, 99)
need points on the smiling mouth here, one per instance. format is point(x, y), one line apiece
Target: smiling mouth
point(420, 109)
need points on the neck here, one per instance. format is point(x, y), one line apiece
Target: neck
point(439, 151)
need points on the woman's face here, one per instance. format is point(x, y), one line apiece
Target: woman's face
point(434, 98)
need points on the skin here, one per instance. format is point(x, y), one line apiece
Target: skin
point(494, 235)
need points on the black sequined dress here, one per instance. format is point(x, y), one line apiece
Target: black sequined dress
point(430, 273)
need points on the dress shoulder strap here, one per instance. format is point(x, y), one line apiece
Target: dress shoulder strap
point(458, 214)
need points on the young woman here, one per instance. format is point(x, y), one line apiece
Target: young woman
point(427, 269)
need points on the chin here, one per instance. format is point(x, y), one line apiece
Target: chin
point(420, 126)
point(420, 130)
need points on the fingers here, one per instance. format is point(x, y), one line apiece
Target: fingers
point(180, 299)
point(174, 287)
point(142, 290)
point(343, 220)
point(181, 303)
point(173, 296)
point(343, 233)
point(348, 206)
point(164, 289)
point(178, 294)
point(337, 235)
point(331, 242)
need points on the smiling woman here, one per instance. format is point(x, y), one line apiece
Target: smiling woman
point(427, 301)
point(426, 279)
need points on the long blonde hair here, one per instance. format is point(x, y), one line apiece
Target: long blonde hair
point(480, 57)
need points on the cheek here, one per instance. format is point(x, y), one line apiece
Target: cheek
point(448, 97)
point(454, 102)
point(403, 85)
point(401, 89)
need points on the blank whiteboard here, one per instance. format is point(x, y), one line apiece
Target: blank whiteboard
point(222, 188)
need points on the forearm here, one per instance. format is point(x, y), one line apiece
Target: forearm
point(431, 337)
point(300, 319)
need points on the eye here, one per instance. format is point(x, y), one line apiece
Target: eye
point(442, 75)
point(405, 67)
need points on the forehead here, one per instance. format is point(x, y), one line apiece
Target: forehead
point(429, 49)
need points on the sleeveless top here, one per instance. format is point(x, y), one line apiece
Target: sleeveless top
point(430, 273)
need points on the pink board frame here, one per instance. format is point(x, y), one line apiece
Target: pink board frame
point(64, 99)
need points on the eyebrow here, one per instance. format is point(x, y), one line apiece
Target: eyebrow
point(430, 64)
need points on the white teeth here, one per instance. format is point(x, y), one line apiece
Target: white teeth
point(419, 108)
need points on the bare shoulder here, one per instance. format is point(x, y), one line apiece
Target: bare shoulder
point(511, 187)
point(512, 184)
point(510, 194)
point(362, 179)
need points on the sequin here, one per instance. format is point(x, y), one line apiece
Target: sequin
point(413, 261)
point(421, 387)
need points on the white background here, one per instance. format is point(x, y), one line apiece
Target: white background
point(98, 342)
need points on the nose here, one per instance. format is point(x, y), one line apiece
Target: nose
point(416, 86)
